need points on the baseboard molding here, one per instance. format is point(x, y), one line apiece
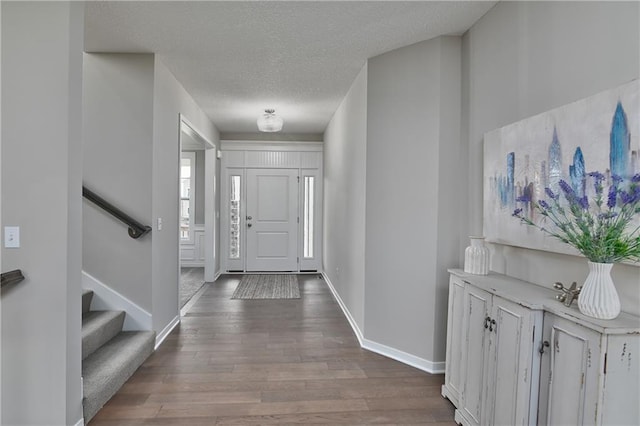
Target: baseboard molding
point(105, 298)
point(191, 264)
point(405, 358)
point(80, 422)
point(165, 331)
point(217, 275)
point(345, 311)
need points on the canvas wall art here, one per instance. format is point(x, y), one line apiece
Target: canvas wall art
point(599, 133)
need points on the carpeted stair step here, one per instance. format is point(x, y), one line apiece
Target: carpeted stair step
point(87, 296)
point(108, 368)
point(98, 327)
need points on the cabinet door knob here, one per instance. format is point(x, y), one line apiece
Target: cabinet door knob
point(543, 345)
point(486, 322)
point(493, 326)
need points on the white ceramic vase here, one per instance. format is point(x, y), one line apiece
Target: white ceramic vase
point(476, 257)
point(598, 297)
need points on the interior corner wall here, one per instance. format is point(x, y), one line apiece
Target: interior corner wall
point(169, 101)
point(405, 269)
point(524, 58)
point(41, 193)
point(117, 159)
point(345, 158)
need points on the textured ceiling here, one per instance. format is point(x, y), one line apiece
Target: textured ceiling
point(238, 58)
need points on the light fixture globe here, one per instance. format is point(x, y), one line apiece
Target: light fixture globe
point(269, 121)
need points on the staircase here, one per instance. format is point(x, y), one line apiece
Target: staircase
point(109, 355)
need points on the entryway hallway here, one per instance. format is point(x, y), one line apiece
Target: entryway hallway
point(293, 361)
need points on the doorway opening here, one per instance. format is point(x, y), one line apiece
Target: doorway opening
point(197, 220)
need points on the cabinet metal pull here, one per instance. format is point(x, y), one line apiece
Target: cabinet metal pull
point(493, 326)
point(543, 345)
point(486, 322)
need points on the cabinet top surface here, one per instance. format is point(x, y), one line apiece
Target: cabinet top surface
point(535, 297)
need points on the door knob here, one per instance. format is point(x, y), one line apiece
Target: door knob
point(249, 225)
point(249, 218)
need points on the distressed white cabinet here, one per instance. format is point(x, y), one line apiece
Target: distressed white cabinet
point(589, 376)
point(451, 387)
point(517, 356)
point(499, 361)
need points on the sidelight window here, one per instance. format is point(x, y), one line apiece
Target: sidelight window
point(234, 216)
point(307, 217)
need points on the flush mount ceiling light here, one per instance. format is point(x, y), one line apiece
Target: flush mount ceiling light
point(269, 121)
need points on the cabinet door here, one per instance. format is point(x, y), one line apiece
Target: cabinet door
point(476, 310)
point(510, 362)
point(569, 373)
point(451, 388)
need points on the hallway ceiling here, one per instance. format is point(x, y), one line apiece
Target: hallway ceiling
point(237, 58)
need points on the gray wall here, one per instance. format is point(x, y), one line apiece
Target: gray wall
point(524, 58)
point(118, 148)
point(41, 193)
point(411, 236)
point(345, 156)
point(170, 99)
point(132, 152)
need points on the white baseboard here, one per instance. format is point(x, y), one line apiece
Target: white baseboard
point(217, 275)
point(165, 331)
point(389, 352)
point(191, 264)
point(403, 357)
point(345, 311)
point(80, 422)
point(105, 298)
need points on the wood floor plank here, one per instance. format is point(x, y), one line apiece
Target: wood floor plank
point(248, 362)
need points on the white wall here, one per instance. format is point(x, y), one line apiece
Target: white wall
point(170, 100)
point(41, 193)
point(118, 148)
point(345, 155)
point(524, 58)
point(410, 236)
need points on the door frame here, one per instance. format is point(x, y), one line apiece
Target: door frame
point(210, 190)
point(237, 156)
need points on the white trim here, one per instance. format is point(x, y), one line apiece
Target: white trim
point(80, 422)
point(165, 331)
point(227, 145)
point(345, 311)
point(389, 352)
point(192, 264)
point(216, 276)
point(405, 358)
point(187, 306)
point(194, 132)
point(106, 298)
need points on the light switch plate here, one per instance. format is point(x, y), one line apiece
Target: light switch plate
point(12, 236)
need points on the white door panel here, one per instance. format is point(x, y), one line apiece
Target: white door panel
point(272, 219)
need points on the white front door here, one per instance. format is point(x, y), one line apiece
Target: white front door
point(272, 220)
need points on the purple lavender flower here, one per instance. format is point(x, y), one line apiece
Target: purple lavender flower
point(616, 179)
point(516, 212)
point(550, 193)
point(567, 189)
point(525, 198)
point(544, 205)
point(613, 195)
point(598, 178)
point(631, 197)
point(635, 178)
point(584, 202)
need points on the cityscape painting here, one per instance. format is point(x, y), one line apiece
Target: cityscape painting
point(599, 133)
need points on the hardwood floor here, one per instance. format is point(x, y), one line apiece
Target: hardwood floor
point(248, 362)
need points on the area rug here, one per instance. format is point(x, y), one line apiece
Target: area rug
point(267, 287)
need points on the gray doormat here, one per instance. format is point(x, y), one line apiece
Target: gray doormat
point(267, 287)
